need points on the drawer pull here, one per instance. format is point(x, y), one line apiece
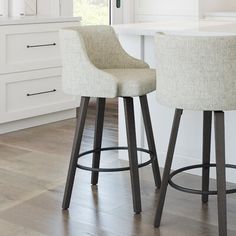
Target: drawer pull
point(41, 45)
point(39, 93)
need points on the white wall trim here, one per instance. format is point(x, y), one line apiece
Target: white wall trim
point(36, 121)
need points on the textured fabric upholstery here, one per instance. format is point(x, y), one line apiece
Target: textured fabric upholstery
point(134, 82)
point(196, 72)
point(95, 65)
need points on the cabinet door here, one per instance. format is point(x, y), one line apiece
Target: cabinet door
point(29, 94)
point(30, 47)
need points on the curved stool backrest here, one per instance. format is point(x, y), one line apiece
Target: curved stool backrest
point(196, 72)
point(86, 52)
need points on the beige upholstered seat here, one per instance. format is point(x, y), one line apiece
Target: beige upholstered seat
point(95, 65)
point(134, 82)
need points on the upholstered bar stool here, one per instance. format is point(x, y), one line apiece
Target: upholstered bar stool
point(95, 65)
point(198, 73)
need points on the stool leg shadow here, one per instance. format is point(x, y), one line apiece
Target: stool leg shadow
point(167, 169)
point(206, 153)
point(220, 172)
point(101, 103)
point(133, 156)
point(75, 151)
point(150, 139)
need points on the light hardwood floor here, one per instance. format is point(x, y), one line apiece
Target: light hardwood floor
point(33, 166)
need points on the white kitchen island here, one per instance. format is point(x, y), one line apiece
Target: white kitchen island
point(30, 72)
point(138, 40)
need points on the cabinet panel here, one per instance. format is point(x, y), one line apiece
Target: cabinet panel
point(32, 47)
point(34, 93)
point(167, 7)
point(28, 94)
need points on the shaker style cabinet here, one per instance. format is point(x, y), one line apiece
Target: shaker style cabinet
point(30, 69)
point(151, 10)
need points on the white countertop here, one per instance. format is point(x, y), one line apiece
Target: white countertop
point(221, 14)
point(185, 27)
point(35, 20)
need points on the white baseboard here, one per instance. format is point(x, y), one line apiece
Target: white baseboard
point(36, 121)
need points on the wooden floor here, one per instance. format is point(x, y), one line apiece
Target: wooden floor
point(33, 166)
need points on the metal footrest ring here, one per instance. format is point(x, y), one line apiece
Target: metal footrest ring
point(195, 191)
point(114, 169)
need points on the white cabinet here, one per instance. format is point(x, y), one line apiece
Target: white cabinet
point(30, 71)
point(30, 46)
point(167, 7)
point(151, 10)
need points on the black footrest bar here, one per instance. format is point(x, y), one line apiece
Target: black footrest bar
point(195, 191)
point(113, 169)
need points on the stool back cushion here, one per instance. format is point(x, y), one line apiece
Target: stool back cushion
point(86, 51)
point(104, 49)
point(196, 72)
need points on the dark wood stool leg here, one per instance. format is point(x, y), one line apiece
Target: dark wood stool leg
point(220, 171)
point(133, 156)
point(167, 169)
point(150, 139)
point(101, 103)
point(206, 152)
point(75, 151)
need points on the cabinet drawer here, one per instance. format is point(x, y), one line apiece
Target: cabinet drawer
point(33, 93)
point(31, 47)
point(28, 94)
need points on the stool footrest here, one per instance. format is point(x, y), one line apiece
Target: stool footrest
point(195, 191)
point(114, 169)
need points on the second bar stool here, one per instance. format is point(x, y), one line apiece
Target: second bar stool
point(95, 65)
point(198, 73)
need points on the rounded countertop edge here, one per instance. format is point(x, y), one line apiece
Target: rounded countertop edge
point(5, 21)
point(191, 28)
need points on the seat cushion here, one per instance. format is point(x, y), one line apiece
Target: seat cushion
point(134, 82)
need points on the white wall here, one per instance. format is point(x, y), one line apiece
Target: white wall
point(51, 7)
point(219, 5)
point(3, 7)
point(167, 7)
point(67, 7)
point(150, 10)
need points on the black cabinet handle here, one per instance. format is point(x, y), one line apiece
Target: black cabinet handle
point(39, 93)
point(118, 3)
point(41, 45)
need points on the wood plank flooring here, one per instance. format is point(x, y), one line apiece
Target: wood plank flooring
point(33, 167)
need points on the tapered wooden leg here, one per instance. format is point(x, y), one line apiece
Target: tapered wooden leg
point(75, 151)
point(206, 152)
point(167, 169)
point(220, 172)
point(101, 102)
point(150, 139)
point(133, 156)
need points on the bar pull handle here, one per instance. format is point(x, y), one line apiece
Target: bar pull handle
point(39, 93)
point(118, 3)
point(41, 45)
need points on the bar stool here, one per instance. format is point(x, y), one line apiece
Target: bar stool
point(198, 73)
point(95, 65)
